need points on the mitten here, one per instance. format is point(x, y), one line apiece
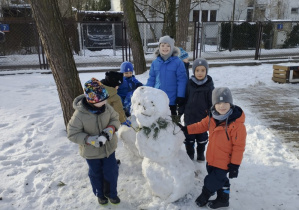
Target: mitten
point(180, 101)
point(108, 132)
point(94, 141)
point(233, 170)
point(102, 140)
point(183, 128)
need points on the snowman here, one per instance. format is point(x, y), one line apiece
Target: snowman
point(166, 166)
point(128, 136)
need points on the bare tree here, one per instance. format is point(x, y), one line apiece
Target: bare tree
point(183, 23)
point(55, 42)
point(134, 36)
point(169, 26)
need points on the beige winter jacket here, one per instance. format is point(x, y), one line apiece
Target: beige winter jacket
point(84, 123)
point(115, 101)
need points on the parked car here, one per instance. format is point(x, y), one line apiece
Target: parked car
point(99, 37)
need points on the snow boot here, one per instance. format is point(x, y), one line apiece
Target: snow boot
point(114, 201)
point(221, 201)
point(203, 198)
point(190, 151)
point(103, 201)
point(201, 151)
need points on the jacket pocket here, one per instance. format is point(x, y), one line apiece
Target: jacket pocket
point(89, 151)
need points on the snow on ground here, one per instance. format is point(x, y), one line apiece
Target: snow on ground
point(41, 169)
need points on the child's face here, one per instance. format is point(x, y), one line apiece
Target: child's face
point(128, 74)
point(200, 72)
point(100, 104)
point(222, 108)
point(164, 48)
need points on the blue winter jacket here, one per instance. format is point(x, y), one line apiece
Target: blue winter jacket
point(125, 91)
point(169, 76)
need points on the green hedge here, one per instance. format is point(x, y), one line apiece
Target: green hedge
point(244, 36)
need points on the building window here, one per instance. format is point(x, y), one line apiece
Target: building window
point(294, 10)
point(204, 15)
point(213, 15)
point(195, 15)
point(249, 15)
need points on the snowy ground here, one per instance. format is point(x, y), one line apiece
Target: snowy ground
point(41, 169)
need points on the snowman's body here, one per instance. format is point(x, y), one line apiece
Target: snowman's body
point(167, 168)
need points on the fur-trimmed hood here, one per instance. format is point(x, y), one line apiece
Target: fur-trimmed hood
point(176, 52)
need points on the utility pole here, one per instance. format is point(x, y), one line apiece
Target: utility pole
point(232, 28)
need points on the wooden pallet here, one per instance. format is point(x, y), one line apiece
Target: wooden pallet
point(286, 74)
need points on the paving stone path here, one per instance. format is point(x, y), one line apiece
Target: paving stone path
point(278, 107)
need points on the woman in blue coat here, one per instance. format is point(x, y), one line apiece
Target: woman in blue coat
point(168, 73)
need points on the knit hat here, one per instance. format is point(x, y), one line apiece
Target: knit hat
point(170, 41)
point(200, 62)
point(94, 91)
point(222, 94)
point(126, 67)
point(113, 79)
point(183, 55)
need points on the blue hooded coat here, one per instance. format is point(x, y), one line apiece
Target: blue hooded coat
point(169, 76)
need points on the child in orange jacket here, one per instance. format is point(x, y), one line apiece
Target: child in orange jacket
point(227, 139)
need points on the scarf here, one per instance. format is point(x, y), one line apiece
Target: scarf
point(221, 117)
point(93, 109)
point(199, 82)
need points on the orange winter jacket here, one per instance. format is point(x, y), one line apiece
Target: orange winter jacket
point(226, 142)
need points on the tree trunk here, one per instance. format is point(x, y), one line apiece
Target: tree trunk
point(183, 23)
point(169, 19)
point(52, 34)
point(134, 36)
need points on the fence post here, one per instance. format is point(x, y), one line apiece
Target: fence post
point(194, 40)
point(258, 41)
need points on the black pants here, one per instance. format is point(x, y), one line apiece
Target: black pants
point(216, 179)
point(200, 139)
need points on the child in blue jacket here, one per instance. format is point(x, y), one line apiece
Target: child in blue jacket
point(129, 85)
point(168, 73)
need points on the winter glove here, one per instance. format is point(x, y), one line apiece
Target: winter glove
point(183, 128)
point(233, 170)
point(127, 123)
point(180, 101)
point(181, 110)
point(96, 141)
point(108, 132)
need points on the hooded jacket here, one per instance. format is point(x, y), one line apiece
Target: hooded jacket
point(226, 140)
point(84, 123)
point(169, 76)
point(115, 101)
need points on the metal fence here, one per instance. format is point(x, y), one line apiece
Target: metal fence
point(106, 43)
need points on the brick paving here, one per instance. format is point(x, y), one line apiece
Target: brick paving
point(278, 107)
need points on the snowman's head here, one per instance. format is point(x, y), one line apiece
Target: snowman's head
point(148, 104)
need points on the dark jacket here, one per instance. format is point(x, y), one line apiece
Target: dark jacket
point(198, 101)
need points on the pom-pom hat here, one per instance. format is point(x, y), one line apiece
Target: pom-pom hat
point(95, 91)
